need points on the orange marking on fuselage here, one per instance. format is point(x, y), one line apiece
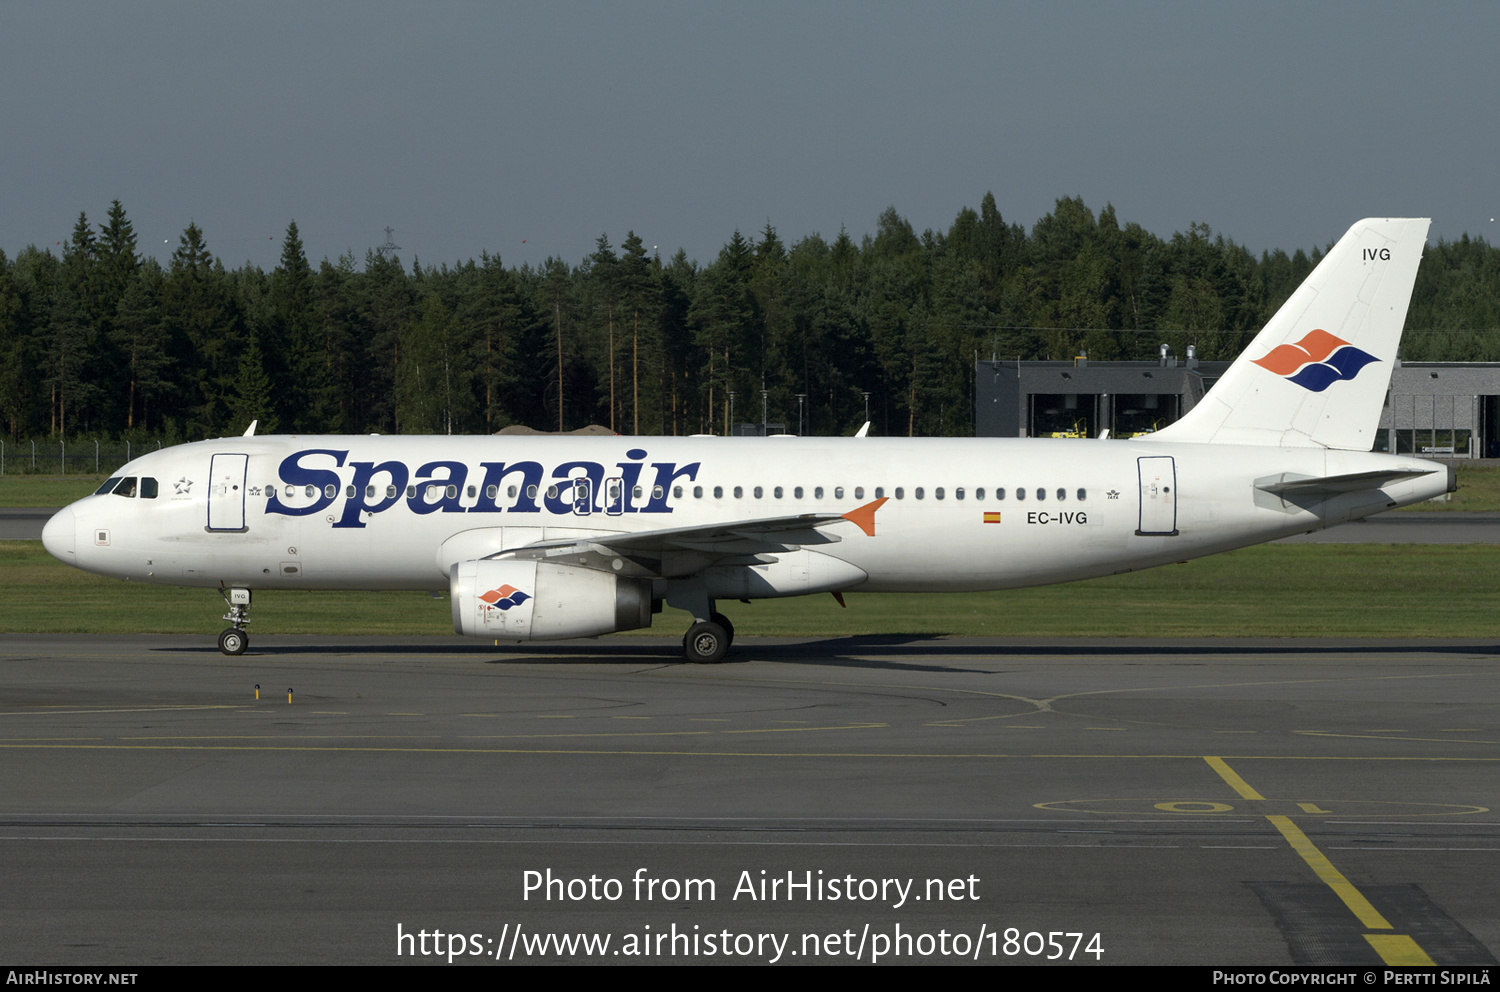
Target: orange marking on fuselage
point(864, 516)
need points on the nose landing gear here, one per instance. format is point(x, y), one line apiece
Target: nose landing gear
point(234, 640)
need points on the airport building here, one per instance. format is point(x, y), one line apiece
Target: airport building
point(1438, 409)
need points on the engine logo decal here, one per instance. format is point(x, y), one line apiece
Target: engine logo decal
point(505, 597)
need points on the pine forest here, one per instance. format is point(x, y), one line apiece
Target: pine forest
point(100, 342)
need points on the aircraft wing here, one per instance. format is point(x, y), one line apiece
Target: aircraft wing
point(683, 550)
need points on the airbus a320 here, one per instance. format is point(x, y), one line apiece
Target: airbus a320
point(539, 538)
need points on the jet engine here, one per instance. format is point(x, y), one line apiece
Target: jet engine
point(536, 600)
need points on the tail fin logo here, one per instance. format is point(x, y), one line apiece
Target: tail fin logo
point(504, 598)
point(1317, 361)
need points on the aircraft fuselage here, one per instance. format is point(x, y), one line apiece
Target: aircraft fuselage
point(959, 514)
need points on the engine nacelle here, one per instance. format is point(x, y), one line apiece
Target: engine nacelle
point(536, 600)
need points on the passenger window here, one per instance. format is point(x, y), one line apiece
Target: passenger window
point(531, 492)
point(452, 491)
point(859, 492)
point(1062, 494)
point(552, 492)
point(636, 493)
point(510, 492)
point(491, 492)
point(900, 493)
point(938, 492)
point(697, 492)
point(797, 493)
point(919, 492)
point(390, 492)
point(718, 492)
point(739, 492)
point(330, 491)
point(677, 492)
point(1000, 493)
point(348, 492)
point(369, 492)
point(1041, 492)
point(776, 492)
point(411, 492)
point(817, 492)
point(759, 492)
point(657, 492)
point(979, 493)
point(126, 488)
point(880, 492)
point(1020, 492)
point(148, 488)
point(958, 493)
point(1083, 494)
point(108, 485)
point(311, 492)
point(838, 492)
point(472, 492)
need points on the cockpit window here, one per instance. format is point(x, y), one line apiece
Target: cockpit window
point(109, 484)
point(148, 487)
point(126, 487)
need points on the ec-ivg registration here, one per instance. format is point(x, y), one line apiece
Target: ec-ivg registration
point(872, 941)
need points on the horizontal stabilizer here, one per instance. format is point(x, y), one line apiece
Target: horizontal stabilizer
point(1334, 484)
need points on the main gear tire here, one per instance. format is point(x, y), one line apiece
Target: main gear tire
point(706, 643)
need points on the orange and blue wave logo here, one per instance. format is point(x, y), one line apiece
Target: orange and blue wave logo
point(1317, 361)
point(505, 597)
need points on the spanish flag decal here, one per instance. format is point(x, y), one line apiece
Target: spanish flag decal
point(992, 517)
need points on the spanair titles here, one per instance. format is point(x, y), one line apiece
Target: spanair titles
point(315, 480)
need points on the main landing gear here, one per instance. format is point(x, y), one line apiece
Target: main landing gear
point(234, 640)
point(706, 641)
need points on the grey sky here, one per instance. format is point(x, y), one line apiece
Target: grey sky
point(528, 129)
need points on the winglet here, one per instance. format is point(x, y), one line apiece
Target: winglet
point(864, 516)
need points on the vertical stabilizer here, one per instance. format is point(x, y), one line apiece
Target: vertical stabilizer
point(1317, 374)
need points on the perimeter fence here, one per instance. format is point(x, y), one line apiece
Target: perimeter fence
point(78, 456)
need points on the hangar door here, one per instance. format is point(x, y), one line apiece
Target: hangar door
point(1158, 517)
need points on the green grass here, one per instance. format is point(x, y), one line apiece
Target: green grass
point(46, 490)
point(1293, 590)
point(1478, 490)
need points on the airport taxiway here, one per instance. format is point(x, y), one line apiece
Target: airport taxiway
point(1191, 802)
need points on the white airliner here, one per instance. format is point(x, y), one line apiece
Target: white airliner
point(555, 537)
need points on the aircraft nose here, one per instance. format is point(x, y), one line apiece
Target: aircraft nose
point(60, 536)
